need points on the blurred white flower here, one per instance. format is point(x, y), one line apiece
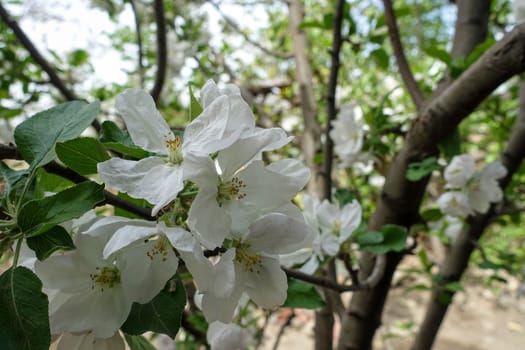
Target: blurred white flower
point(227, 336)
point(459, 171)
point(347, 133)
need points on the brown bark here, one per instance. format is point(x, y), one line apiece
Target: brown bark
point(162, 50)
point(311, 137)
point(456, 261)
point(400, 199)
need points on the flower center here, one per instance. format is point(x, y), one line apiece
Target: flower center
point(336, 230)
point(249, 260)
point(159, 249)
point(230, 190)
point(105, 277)
point(174, 150)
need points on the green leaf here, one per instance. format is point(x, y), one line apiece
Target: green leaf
point(418, 170)
point(82, 154)
point(490, 265)
point(161, 315)
point(49, 183)
point(303, 295)
point(381, 58)
point(344, 196)
point(438, 54)
point(36, 137)
point(10, 176)
point(479, 51)
point(138, 342)
point(119, 141)
point(57, 238)
point(40, 215)
point(453, 286)
point(370, 237)
point(78, 57)
point(450, 146)
point(195, 106)
point(24, 319)
point(394, 239)
point(433, 214)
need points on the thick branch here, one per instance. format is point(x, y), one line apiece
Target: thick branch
point(400, 199)
point(162, 50)
point(404, 69)
point(456, 262)
point(310, 140)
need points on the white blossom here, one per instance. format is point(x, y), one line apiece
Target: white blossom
point(347, 133)
point(222, 336)
point(459, 171)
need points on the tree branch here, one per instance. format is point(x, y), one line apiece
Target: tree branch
point(140, 49)
point(404, 69)
point(400, 199)
point(162, 50)
point(55, 80)
point(331, 110)
point(323, 282)
point(456, 262)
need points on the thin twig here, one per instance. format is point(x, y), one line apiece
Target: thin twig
point(55, 80)
point(236, 27)
point(162, 50)
point(331, 110)
point(140, 49)
point(404, 69)
point(286, 323)
point(323, 282)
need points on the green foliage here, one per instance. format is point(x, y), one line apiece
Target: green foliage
point(37, 136)
point(303, 295)
point(195, 106)
point(417, 171)
point(390, 238)
point(138, 342)
point(24, 323)
point(115, 139)
point(161, 315)
point(56, 238)
point(11, 177)
point(82, 154)
point(40, 215)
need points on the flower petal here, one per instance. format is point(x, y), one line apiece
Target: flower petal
point(278, 234)
point(210, 92)
point(146, 126)
point(88, 341)
point(268, 287)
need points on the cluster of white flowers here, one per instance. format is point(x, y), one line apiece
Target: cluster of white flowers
point(331, 226)
point(470, 191)
point(238, 204)
point(347, 132)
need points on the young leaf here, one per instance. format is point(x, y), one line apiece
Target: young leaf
point(36, 137)
point(24, 320)
point(40, 215)
point(370, 237)
point(195, 106)
point(450, 146)
point(417, 171)
point(138, 342)
point(394, 239)
point(57, 238)
point(119, 141)
point(11, 177)
point(303, 295)
point(82, 154)
point(160, 315)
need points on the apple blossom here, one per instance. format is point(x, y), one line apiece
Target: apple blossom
point(347, 133)
point(93, 287)
point(459, 171)
point(159, 178)
point(222, 336)
point(88, 341)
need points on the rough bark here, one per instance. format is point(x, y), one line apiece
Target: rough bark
point(400, 199)
point(311, 137)
point(162, 50)
point(456, 261)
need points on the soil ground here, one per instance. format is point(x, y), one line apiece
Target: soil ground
point(480, 318)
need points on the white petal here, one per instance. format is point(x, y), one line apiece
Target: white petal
point(328, 214)
point(146, 126)
point(209, 221)
point(145, 268)
point(222, 336)
point(125, 236)
point(221, 309)
point(311, 265)
point(62, 272)
point(454, 203)
point(210, 92)
point(88, 341)
point(219, 125)
point(350, 220)
point(278, 234)
point(292, 168)
point(100, 312)
point(267, 288)
point(459, 171)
